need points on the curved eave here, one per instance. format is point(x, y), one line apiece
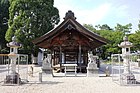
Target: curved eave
point(89, 33)
point(53, 33)
point(50, 33)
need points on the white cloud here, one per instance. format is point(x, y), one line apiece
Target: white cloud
point(111, 12)
point(90, 16)
point(94, 16)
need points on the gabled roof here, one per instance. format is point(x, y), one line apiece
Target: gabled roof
point(70, 23)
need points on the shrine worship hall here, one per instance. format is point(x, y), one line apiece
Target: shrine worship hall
point(70, 43)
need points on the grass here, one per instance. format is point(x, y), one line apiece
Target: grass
point(108, 62)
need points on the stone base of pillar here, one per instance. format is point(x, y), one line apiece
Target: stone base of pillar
point(127, 78)
point(92, 72)
point(12, 79)
point(48, 72)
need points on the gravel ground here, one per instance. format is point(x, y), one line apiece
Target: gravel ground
point(69, 85)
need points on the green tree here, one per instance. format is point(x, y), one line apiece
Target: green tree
point(89, 26)
point(135, 39)
point(30, 19)
point(126, 29)
point(114, 38)
point(4, 16)
point(103, 27)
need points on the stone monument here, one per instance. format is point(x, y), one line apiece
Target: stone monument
point(92, 69)
point(127, 76)
point(46, 66)
point(13, 77)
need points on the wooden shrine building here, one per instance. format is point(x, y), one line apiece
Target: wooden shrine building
point(70, 42)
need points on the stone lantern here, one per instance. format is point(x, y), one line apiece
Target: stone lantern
point(13, 76)
point(126, 77)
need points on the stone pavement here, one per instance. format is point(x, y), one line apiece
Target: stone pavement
point(71, 84)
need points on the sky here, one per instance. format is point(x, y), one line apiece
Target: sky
point(101, 12)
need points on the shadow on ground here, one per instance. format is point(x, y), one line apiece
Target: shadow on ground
point(45, 82)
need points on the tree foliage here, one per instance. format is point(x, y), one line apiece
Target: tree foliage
point(4, 16)
point(30, 19)
point(126, 29)
point(89, 26)
point(103, 27)
point(135, 39)
point(114, 36)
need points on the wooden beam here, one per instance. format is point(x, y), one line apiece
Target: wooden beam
point(4, 54)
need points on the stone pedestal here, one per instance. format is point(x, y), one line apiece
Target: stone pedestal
point(12, 79)
point(92, 70)
point(127, 78)
point(46, 67)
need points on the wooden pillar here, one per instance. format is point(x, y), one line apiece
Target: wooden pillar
point(51, 58)
point(87, 58)
point(60, 58)
point(79, 57)
point(54, 58)
point(65, 57)
point(84, 57)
